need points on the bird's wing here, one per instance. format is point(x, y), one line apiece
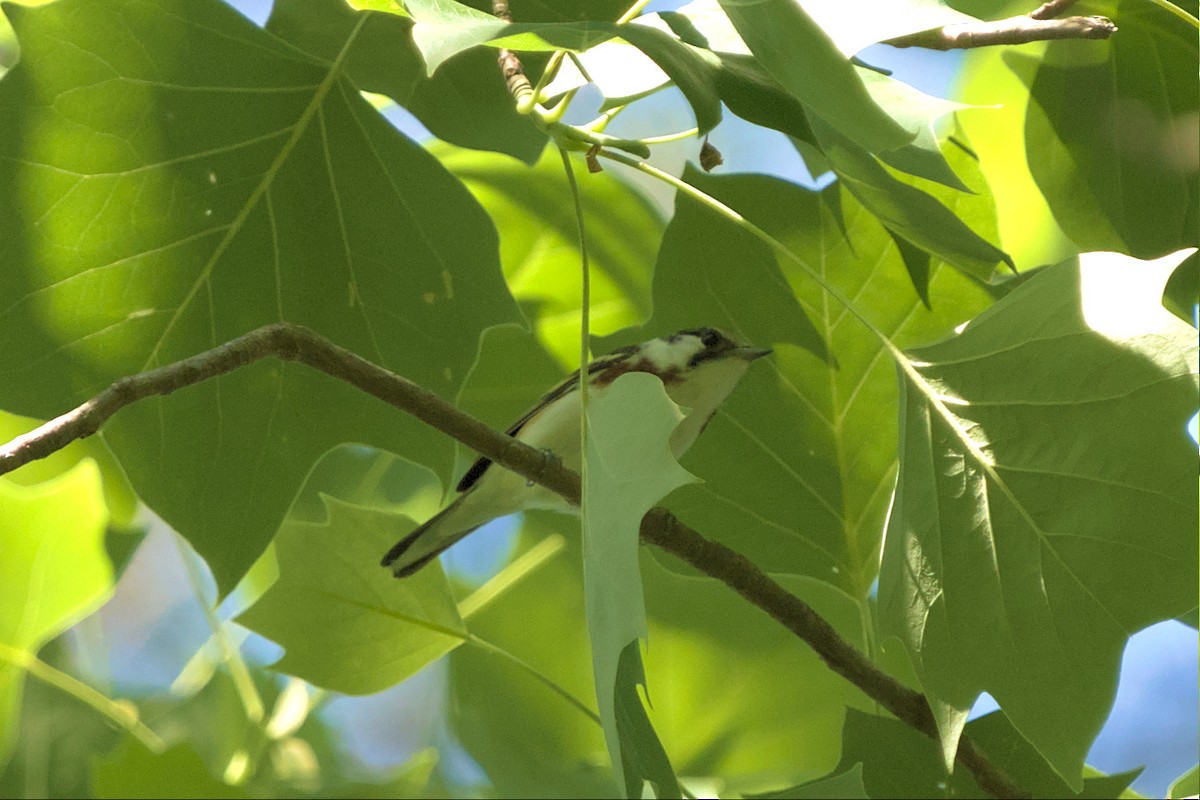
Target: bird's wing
point(568, 384)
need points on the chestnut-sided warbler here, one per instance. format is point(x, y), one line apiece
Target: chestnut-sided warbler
point(699, 368)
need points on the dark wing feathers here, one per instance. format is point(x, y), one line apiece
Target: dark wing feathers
point(568, 383)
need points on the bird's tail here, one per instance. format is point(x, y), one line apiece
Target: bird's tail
point(426, 542)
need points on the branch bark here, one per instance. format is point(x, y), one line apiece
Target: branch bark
point(661, 528)
point(1037, 26)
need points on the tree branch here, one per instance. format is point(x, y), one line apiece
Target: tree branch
point(1037, 26)
point(294, 343)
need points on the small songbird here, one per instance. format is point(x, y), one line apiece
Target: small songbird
point(699, 368)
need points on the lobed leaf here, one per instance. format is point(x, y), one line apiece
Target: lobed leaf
point(345, 623)
point(1045, 508)
point(250, 186)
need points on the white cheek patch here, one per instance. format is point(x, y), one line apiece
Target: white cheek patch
point(672, 355)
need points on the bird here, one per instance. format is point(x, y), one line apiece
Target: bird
point(699, 369)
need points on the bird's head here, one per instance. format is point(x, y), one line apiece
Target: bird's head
point(690, 351)
point(699, 367)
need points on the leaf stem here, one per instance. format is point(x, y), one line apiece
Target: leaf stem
point(238, 671)
point(123, 714)
point(585, 302)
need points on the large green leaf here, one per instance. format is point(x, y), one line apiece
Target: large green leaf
point(629, 469)
point(252, 185)
point(1046, 503)
point(346, 624)
point(805, 61)
point(54, 571)
point(814, 442)
point(1110, 132)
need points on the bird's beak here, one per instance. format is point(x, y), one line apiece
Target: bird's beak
point(750, 353)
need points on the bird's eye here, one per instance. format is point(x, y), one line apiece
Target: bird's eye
point(710, 338)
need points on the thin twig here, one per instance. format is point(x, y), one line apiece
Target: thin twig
point(1038, 26)
point(660, 527)
point(510, 66)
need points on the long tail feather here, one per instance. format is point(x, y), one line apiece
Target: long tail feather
point(425, 543)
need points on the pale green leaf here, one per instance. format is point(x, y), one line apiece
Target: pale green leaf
point(1186, 785)
point(629, 469)
point(253, 185)
point(54, 571)
point(118, 494)
point(1045, 508)
point(347, 624)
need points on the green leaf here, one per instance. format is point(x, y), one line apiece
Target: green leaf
point(906, 210)
point(805, 61)
point(629, 469)
point(815, 452)
point(847, 785)
point(346, 624)
point(539, 249)
point(254, 185)
point(1045, 508)
point(1107, 133)
point(899, 762)
point(54, 571)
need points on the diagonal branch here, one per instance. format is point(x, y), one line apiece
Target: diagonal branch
point(294, 343)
